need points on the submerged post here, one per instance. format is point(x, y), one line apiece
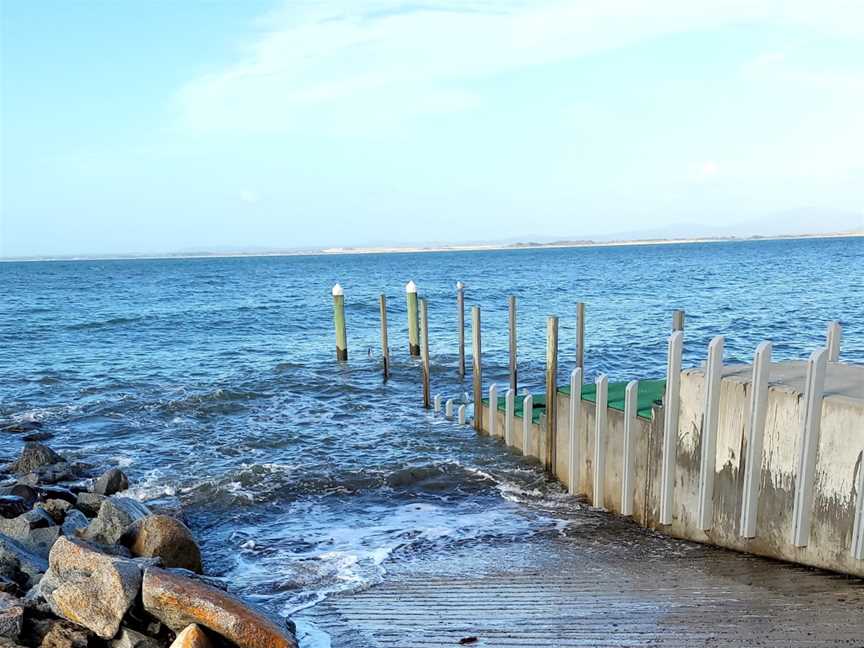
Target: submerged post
point(509, 411)
point(339, 321)
point(710, 419)
point(815, 388)
point(631, 405)
point(551, 389)
point(460, 324)
point(413, 327)
point(754, 437)
point(677, 320)
point(580, 335)
point(527, 420)
point(424, 321)
point(835, 333)
point(600, 441)
point(671, 402)
point(385, 346)
point(512, 327)
point(572, 429)
point(477, 373)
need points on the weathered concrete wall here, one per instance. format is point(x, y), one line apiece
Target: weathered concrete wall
point(839, 461)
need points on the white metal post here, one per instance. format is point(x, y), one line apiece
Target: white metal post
point(461, 415)
point(527, 415)
point(437, 404)
point(671, 403)
point(493, 409)
point(755, 439)
point(600, 440)
point(631, 404)
point(448, 408)
point(835, 334)
point(573, 428)
point(710, 418)
point(509, 407)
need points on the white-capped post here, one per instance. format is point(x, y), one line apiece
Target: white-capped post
point(755, 434)
point(527, 416)
point(509, 408)
point(835, 334)
point(339, 322)
point(493, 410)
point(413, 325)
point(436, 404)
point(671, 403)
point(631, 405)
point(710, 418)
point(461, 414)
point(803, 507)
point(602, 383)
point(573, 428)
point(448, 408)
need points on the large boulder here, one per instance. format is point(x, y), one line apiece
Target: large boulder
point(56, 508)
point(89, 503)
point(115, 516)
point(74, 522)
point(54, 473)
point(19, 564)
point(35, 530)
point(55, 633)
point(111, 482)
point(90, 588)
point(46, 493)
point(178, 602)
point(11, 617)
point(192, 636)
point(33, 456)
point(164, 537)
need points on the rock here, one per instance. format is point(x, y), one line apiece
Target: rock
point(75, 521)
point(54, 473)
point(12, 506)
point(192, 636)
point(55, 508)
point(111, 482)
point(8, 586)
point(179, 602)
point(35, 455)
point(129, 638)
point(34, 530)
point(90, 588)
point(29, 494)
point(46, 493)
point(11, 617)
point(165, 537)
point(19, 564)
point(89, 503)
point(56, 633)
point(21, 427)
point(115, 516)
point(38, 436)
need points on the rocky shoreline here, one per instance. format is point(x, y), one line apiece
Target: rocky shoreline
point(82, 566)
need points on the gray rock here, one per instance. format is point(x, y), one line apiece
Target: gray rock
point(115, 516)
point(11, 617)
point(90, 588)
point(35, 455)
point(19, 564)
point(75, 520)
point(34, 530)
point(56, 633)
point(111, 482)
point(46, 493)
point(54, 473)
point(25, 492)
point(129, 638)
point(56, 508)
point(89, 503)
point(12, 506)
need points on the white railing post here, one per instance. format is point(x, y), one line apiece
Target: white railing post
point(573, 431)
point(835, 334)
point(600, 440)
point(710, 418)
point(755, 436)
point(461, 415)
point(527, 415)
point(493, 409)
point(509, 407)
point(631, 404)
point(858, 532)
point(448, 408)
point(815, 388)
point(436, 404)
point(671, 403)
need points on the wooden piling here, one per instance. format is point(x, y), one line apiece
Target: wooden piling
point(477, 372)
point(677, 320)
point(413, 326)
point(339, 322)
point(385, 346)
point(551, 389)
point(460, 323)
point(580, 335)
point(424, 326)
point(512, 322)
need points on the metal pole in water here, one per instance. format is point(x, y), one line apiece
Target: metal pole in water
point(460, 323)
point(512, 322)
point(575, 410)
point(580, 335)
point(478, 370)
point(385, 347)
point(677, 320)
point(424, 321)
point(413, 327)
point(339, 321)
point(551, 389)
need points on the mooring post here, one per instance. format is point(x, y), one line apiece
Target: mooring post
point(573, 429)
point(551, 389)
point(460, 324)
point(671, 403)
point(509, 412)
point(835, 333)
point(424, 321)
point(527, 420)
point(600, 441)
point(580, 335)
point(413, 326)
point(512, 326)
point(815, 388)
point(493, 410)
point(385, 346)
point(755, 433)
point(436, 404)
point(339, 321)
point(448, 408)
point(858, 530)
point(461, 415)
point(631, 410)
point(677, 320)
point(477, 373)
point(710, 419)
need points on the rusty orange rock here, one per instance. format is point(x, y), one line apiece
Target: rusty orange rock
point(192, 637)
point(179, 601)
point(166, 538)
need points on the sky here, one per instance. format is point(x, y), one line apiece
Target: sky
point(133, 127)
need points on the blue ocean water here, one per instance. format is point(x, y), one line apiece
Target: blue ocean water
point(213, 383)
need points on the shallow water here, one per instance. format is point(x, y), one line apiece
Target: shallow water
point(213, 383)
